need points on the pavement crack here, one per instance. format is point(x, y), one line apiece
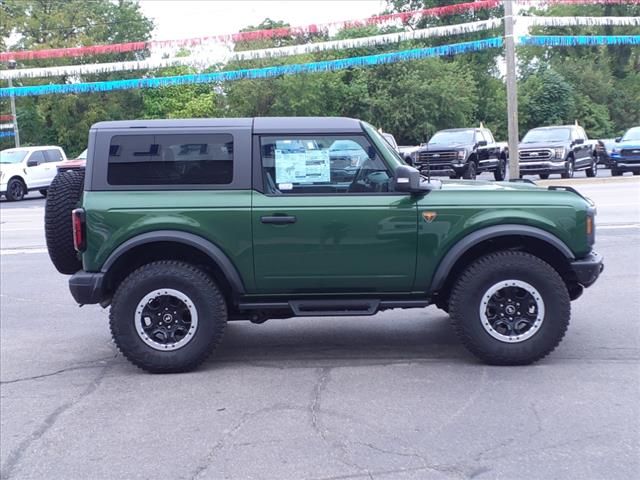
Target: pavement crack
point(314, 407)
point(15, 457)
point(89, 364)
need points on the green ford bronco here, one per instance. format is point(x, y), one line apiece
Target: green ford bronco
point(182, 225)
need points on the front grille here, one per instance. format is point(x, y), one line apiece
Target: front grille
point(536, 155)
point(631, 152)
point(437, 158)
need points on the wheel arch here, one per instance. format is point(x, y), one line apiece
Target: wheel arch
point(172, 245)
point(533, 240)
point(20, 178)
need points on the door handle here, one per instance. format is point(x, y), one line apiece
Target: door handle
point(278, 219)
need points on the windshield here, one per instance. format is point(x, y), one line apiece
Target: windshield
point(391, 156)
point(452, 137)
point(632, 134)
point(547, 135)
point(12, 156)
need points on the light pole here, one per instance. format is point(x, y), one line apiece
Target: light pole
point(512, 91)
point(16, 133)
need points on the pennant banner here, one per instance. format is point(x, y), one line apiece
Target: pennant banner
point(578, 21)
point(579, 40)
point(268, 72)
point(6, 134)
point(6, 118)
point(248, 36)
point(207, 60)
point(6, 126)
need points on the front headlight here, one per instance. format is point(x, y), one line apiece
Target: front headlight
point(462, 154)
point(559, 152)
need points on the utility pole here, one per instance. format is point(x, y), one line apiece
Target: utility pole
point(16, 132)
point(512, 90)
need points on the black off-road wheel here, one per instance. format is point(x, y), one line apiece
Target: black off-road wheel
point(510, 308)
point(63, 195)
point(16, 190)
point(167, 317)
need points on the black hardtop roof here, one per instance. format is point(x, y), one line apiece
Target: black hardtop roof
point(260, 124)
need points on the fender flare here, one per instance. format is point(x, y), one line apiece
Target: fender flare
point(205, 246)
point(467, 242)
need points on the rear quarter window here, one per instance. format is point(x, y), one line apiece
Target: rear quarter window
point(170, 159)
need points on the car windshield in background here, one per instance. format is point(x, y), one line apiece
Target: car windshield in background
point(452, 137)
point(12, 156)
point(632, 134)
point(547, 135)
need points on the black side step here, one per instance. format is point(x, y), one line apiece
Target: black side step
point(334, 308)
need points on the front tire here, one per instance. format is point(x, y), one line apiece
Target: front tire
point(592, 171)
point(615, 172)
point(510, 308)
point(15, 190)
point(470, 171)
point(500, 173)
point(544, 176)
point(568, 173)
point(167, 317)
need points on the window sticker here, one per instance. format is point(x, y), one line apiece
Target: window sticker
point(302, 166)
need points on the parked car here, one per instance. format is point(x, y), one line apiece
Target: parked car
point(603, 149)
point(557, 149)
point(625, 155)
point(462, 152)
point(250, 232)
point(26, 169)
point(77, 163)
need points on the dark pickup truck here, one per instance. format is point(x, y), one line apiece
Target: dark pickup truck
point(558, 149)
point(462, 152)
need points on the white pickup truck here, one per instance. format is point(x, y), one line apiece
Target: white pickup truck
point(26, 169)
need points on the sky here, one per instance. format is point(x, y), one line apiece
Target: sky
point(175, 19)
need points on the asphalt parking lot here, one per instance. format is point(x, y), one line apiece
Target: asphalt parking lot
point(394, 396)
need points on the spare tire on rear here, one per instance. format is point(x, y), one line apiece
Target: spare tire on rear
point(63, 195)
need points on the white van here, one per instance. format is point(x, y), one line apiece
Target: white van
point(28, 168)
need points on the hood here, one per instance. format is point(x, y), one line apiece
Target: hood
point(444, 148)
point(490, 186)
point(542, 145)
point(627, 144)
point(10, 167)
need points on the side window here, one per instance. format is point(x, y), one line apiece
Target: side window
point(171, 159)
point(37, 157)
point(53, 155)
point(322, 164)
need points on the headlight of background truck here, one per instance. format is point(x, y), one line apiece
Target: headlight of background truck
point(559, 152)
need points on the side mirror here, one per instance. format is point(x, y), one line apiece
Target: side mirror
point(32, 163)
point(407, 179)
point(482, 143)
point(618, 139)
point(578, 141)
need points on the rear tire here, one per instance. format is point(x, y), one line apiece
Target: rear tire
point(149, 342)
point(544, 176)
point(63, 195)
point(615, 172)
point(489, 334)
